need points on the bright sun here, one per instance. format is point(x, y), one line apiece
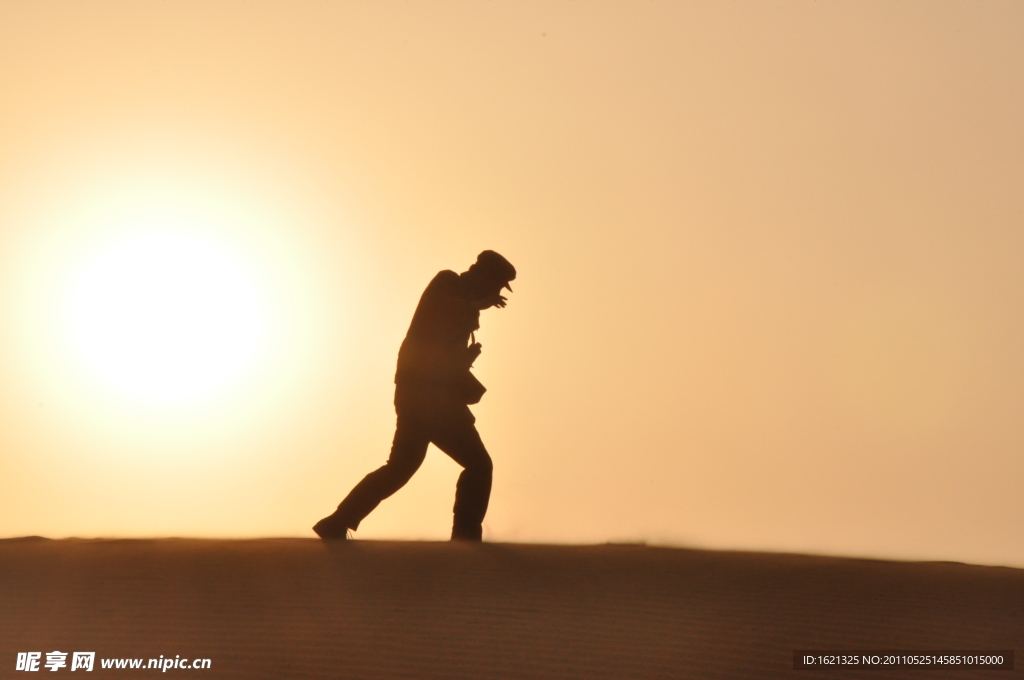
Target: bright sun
point(166, 316)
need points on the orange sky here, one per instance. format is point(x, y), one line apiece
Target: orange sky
point(770, 255)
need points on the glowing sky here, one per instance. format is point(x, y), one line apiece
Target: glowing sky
point(770, 289)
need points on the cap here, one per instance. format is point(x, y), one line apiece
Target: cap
point(495, 266)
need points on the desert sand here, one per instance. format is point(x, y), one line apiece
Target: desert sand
point(302, 608)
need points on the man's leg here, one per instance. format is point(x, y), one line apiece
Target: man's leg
point(408, 450)
point(472, 492)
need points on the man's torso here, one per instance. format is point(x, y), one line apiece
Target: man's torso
point(432, 358)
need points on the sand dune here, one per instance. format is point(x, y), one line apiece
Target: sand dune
point(299, 608)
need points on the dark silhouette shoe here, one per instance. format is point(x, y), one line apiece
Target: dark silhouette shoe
point(473, 535)
point(332, 528)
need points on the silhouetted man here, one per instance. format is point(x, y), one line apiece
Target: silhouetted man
point(433, 388)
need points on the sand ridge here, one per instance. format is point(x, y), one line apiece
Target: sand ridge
point(302, 608)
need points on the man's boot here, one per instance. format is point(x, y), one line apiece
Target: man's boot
point(332, 527)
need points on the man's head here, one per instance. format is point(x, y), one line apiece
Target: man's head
point(491, 268)
point(487, 276)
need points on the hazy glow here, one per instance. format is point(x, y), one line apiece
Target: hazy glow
point(165, 316)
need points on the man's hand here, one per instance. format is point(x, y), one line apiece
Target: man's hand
point(472, 352)
point(497, 300)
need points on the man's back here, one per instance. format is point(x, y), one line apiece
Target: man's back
point(434, 350)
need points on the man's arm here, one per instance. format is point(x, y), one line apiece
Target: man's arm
point(496, 300)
